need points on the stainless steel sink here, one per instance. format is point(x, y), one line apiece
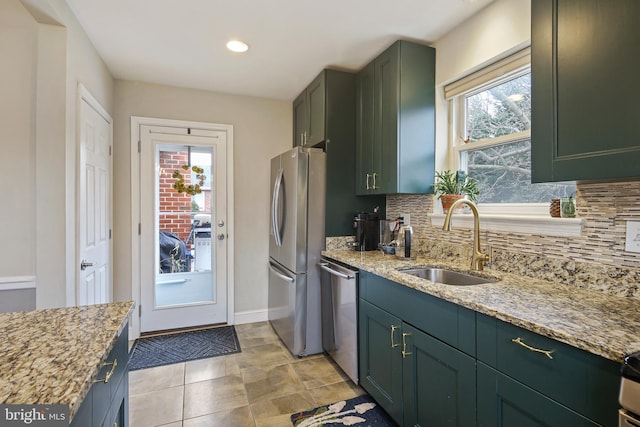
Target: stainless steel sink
point(447, 277)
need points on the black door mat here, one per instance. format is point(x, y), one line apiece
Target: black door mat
point(183, 347)
point(360, 411)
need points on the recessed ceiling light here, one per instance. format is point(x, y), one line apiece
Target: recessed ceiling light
point(237, 46)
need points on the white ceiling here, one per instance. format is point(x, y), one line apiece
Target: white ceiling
point(182, 42)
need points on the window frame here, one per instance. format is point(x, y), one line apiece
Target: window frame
point(531, 218)
point(459, 134)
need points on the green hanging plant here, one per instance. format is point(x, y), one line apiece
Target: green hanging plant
point(191, 189)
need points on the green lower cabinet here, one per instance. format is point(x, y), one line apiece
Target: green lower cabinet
point(417, 379)
point(439, 382)
point(381, 358)
point(504, 402)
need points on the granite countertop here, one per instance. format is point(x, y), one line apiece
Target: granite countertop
point(52, 356)
point(608, 326)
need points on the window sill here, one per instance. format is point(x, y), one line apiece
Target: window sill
point(523, 224)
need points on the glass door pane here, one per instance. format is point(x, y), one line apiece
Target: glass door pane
point(184, 251)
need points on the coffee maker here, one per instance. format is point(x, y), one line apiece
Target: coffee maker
point(367, 231)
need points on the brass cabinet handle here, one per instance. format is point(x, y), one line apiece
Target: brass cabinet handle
point(368, 187)
point(107, 377)
point(528, 347)
point(374, 181)
point(405, 353)
point(393, 330)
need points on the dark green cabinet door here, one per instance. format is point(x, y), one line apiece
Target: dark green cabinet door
point(585, 89)
point(504, 402)
point(439, 382)
point(84, 416)
point(385, 142)
point(309, 114)
point(364, 130)
point(396, 121)
point(316, 111)
point(299, 120)
point(380, 358)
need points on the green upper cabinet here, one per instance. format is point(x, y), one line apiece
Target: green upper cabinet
point(309, 114)
point(395, 121)
point(326, 110)
point(585, 89)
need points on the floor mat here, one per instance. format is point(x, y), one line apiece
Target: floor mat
point(183, 347)
point(360, 411)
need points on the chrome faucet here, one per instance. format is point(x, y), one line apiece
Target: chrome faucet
point(478, 258)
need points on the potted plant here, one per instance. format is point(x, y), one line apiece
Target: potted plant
point(451, 186)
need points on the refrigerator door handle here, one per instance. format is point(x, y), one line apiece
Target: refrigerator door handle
point(281, 275)
point(275, 201)
point(325, 267)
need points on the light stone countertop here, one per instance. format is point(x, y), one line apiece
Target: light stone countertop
point(52, 356)
point(608, 326)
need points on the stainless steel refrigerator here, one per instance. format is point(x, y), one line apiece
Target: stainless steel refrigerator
point(296, 239)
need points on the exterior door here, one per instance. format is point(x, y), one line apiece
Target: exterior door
point(94, 285)
point(183, 240)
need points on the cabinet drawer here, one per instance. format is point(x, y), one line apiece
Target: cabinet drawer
point(450, 323)
point(580, 380)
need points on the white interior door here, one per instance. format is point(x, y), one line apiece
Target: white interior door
point(94, 285)
point(183, 235)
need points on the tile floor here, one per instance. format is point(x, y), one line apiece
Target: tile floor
point(259, 387)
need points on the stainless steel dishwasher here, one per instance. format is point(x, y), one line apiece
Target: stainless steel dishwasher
point(339, 299)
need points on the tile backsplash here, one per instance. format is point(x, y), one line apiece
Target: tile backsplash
point(596, 259)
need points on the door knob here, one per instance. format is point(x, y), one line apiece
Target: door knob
point(221, 236)
point(84, 264)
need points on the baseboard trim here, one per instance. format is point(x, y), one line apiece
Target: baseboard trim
point(250, 316)
point(17, 282)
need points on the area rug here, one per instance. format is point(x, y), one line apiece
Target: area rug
point(360, 411)
point(183, 347)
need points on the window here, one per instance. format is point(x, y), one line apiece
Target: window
point(492, 136)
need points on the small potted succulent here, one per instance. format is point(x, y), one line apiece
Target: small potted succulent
point(450, 186)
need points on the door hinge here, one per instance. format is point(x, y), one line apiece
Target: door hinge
point(139, 310)
point(139, 228)
point(139, 146)
point(109, 234)
point(109, 150)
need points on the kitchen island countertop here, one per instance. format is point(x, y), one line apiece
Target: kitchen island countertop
point(52, 356)
point(608, 326)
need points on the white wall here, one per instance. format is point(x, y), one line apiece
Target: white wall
point(262, 128)
point(18, 48)
point(85, 66)
point(498, 30)
point(46, 54)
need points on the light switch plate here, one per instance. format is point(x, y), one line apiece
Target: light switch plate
point(407, 218)
point(632, 243)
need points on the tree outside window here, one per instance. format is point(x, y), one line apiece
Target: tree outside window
point(497, 143)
